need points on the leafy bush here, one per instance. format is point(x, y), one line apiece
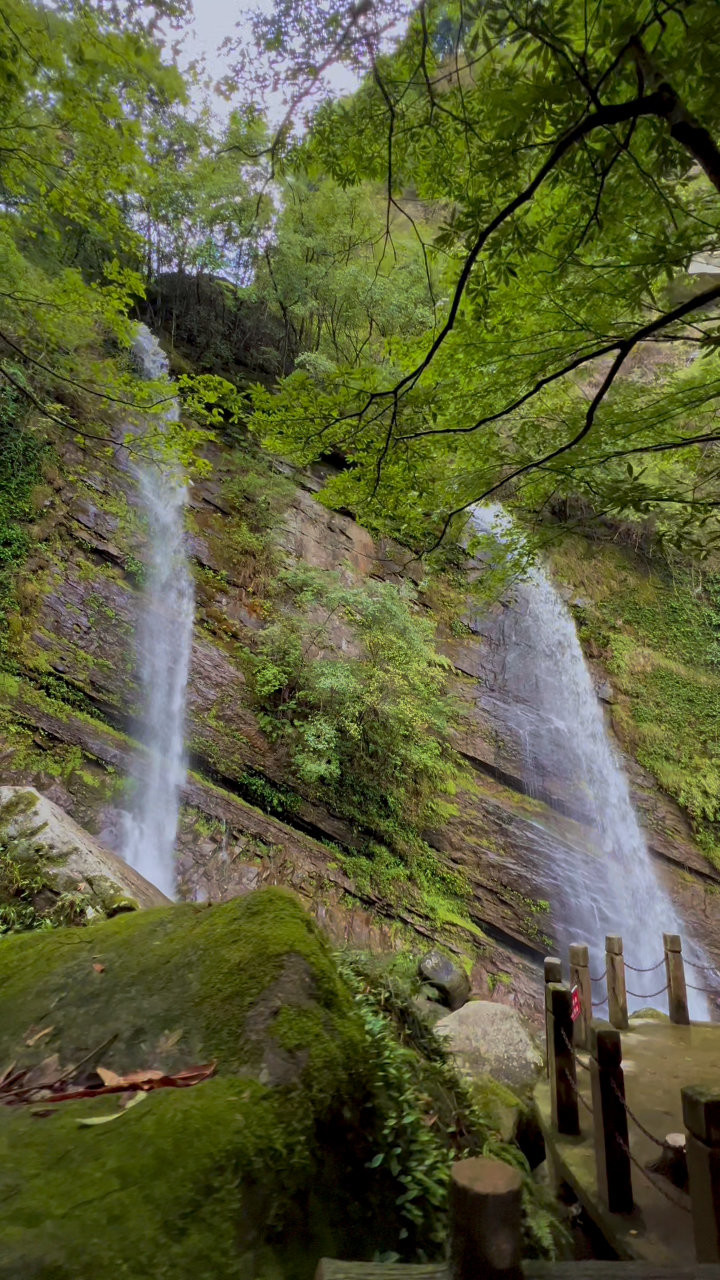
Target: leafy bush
point(369, 726)
point(20, 456)
point(22, 888)
point(428, 1115)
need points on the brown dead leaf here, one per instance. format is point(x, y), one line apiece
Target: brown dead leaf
point(47, 1082)
point(44, 1074)
point(99, 968)
point(6, 1075)
point(35, 1035)
point(109, 1077)
point(136, 1079)
point(168, 1040)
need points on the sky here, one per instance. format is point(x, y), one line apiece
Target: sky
point(213, 20)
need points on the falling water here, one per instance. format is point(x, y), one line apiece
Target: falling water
point(543, 694)
point(163, 646)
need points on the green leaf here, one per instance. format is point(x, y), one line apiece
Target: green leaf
point(88, 1121)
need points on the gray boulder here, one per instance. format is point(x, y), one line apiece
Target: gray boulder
point(59, 857)
point(452, 982)
point(492, 1039)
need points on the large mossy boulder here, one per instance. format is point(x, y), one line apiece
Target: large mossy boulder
point(50, 868)
point(253, 1173)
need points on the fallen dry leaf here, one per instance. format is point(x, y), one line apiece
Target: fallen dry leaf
point(114, 1115)
point(108, 1077)
point(134, 1079)
point(47, 1082)
point(168, 1040)
point(34, 1035)
point(99, 968)
point(7, 1073)
point(44, 1074)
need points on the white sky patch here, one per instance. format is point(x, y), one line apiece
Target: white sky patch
point(212, 22)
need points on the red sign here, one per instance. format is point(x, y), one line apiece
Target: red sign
point(575, 1007)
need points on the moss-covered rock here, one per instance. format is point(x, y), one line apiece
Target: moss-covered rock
point(245, 1175)
point(52, 870)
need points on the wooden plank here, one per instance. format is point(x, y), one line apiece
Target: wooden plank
point(332, 1269)
point(587, 1270)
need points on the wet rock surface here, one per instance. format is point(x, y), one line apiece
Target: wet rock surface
point(448, 979)
point(78, 616)
point(36, 833)
point(492, 1039)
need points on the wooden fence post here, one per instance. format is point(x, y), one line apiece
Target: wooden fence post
point(580, 978)
point(617, 993)
point(485, 1220)
point(675, 972)
point(701, 1114)
point(553, 973)
point(612, 1145)
point(561, 1058)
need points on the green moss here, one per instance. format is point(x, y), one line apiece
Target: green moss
point(319, 1133)
point(233, 959)
point(21, 453)
point(195, 1182)
point(160, 1191)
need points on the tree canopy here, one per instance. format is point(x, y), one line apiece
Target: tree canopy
point(555, 168)
point(487, 271)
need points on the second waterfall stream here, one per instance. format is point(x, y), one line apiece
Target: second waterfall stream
point(163, 648)
point(543, 698)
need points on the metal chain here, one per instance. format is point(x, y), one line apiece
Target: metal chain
point(704, 968)
point(679, 1204)
point(633, 1117)
point(573, 1050)
point(600, 978)
point(586, 1067)
point(652, 968)
point(646, 995)
point(706, 991)
point(576, 1091)
point(597, 1004)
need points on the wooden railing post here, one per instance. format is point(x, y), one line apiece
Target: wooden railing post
point(552, 973)
point(485, 1220)
point(701, 1114)
point(612, 1145)
point(617, 993)
point(675, 972)
point(580, 978)
point(561, 1058)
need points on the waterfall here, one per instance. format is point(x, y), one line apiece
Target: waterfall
point(543, 694)
point(163, 647)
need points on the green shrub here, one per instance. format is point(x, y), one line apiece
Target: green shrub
point(20, 456)
point(369, 727)
point(427, 1115)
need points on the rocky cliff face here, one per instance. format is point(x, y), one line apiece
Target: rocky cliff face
point(69, 711)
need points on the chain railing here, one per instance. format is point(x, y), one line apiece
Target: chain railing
point(572, 1028)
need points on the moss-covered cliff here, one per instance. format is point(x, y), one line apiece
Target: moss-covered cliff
point(267, 554)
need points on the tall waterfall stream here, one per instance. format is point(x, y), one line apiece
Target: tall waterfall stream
point(542, 695)
point(163, 647)
point(544, 698)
